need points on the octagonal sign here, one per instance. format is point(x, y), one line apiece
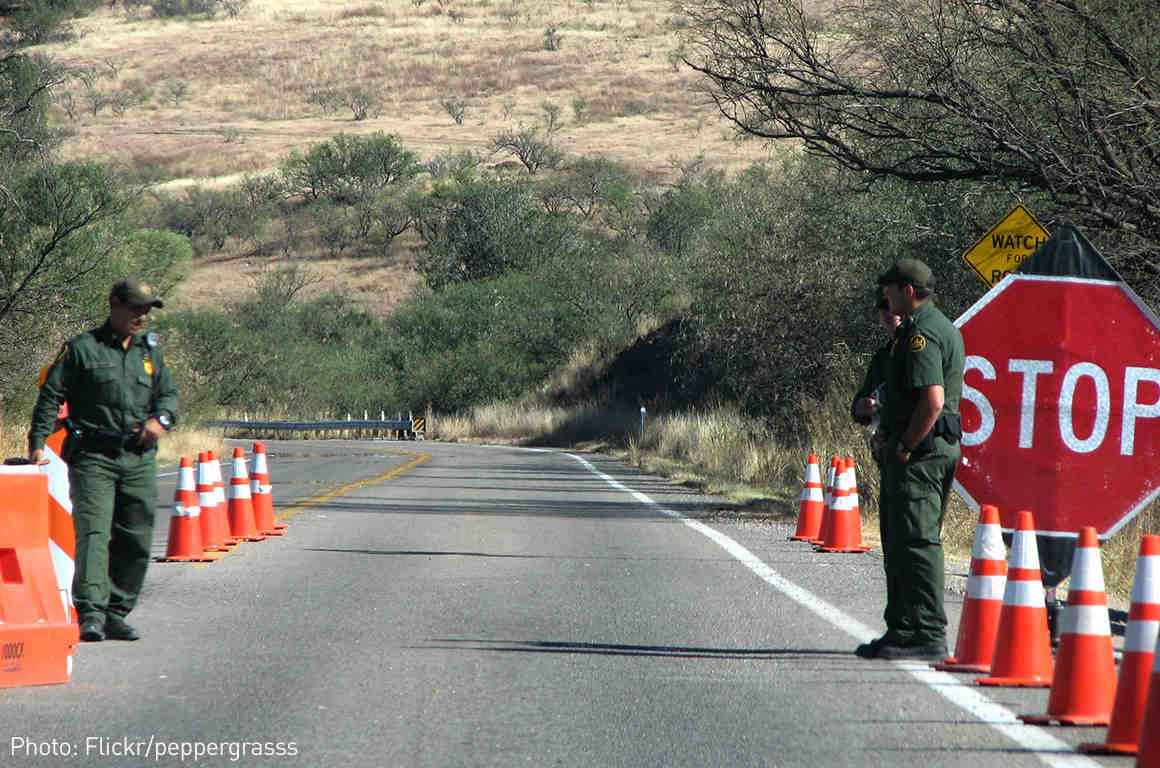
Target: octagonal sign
point(1061, 403)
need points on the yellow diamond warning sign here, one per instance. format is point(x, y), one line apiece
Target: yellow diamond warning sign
point(1004, 248)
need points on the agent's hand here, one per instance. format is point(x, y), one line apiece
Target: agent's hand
point(151, 432)
point(866, 407)
point(36, 456)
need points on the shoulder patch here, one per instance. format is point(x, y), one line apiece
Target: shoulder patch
point(917, 342)
point(151, 339)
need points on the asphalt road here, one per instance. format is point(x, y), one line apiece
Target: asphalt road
point(451, 605)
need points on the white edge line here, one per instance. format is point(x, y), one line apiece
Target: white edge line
point(1043, 745)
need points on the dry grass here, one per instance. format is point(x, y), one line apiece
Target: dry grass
point(378, 285)
point(250, 82)
point(189, 442)
point(180, 442)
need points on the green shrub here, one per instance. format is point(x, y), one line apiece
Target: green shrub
point(210, 217)
point(784, 277)
point(348, 168)
point(486, 228)
point(478, 341)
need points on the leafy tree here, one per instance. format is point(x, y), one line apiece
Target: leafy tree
point(1056, 97)
point(65, 232)
point(348, 168)
point(486, 228)
point(783, 280)
point(527, 147)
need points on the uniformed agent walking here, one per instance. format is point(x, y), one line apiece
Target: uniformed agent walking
point(121, 399)
point(920, 421)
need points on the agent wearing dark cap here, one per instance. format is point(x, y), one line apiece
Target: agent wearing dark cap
point(920, 424)
point(121, 399)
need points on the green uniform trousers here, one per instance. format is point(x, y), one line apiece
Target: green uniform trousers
point(113, 498)
point(914, 499)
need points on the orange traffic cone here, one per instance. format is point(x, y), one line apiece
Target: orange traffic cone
point(828, 500)
point(215, 529)
point(979, 621)
point(241, 506)
point(1139, 648)
point(1023, 642)
point(811, 504)
point(845, 531)
point(184, 527)
point(261, 497)
point(1084, 687)
point(219, 491)
point(266, 491)
point(1149, 756)
point(853, 489)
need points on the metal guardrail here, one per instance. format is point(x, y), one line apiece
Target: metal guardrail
point(399, 428)
point(311, 426)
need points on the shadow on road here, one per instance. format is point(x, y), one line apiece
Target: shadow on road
point(618, 649)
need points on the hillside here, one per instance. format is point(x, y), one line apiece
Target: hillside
point(175, 102)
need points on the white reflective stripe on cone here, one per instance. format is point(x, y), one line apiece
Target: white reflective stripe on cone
point(813, 475)
point(1141, 636)
point(1086, 620)
point(240, 492)
point(989, 543)
point(1146, 588)
point(180, 510)
point(1024, 552)
point(986, 587)
point(1086, 571)
point(267, 488)
point(814, 494)
point(1026, 594)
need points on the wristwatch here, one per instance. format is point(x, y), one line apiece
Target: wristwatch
point(164, 420)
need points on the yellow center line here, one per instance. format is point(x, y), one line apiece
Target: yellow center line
point(322, 498)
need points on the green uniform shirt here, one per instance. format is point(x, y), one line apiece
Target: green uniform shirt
point(929, 352)
point(106, 387)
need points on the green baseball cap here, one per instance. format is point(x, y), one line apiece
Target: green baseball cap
point(908, 272)
point(135, 294)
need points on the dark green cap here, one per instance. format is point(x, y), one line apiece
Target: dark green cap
point(135, 294)
point(908, 272)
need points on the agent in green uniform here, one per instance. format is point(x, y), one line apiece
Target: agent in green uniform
point(121, 399)
point(920, 420)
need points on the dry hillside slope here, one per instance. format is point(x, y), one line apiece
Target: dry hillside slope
point(255, 84)
point(181, 102)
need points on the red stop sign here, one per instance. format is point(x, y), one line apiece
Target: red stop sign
point(1061, 403)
